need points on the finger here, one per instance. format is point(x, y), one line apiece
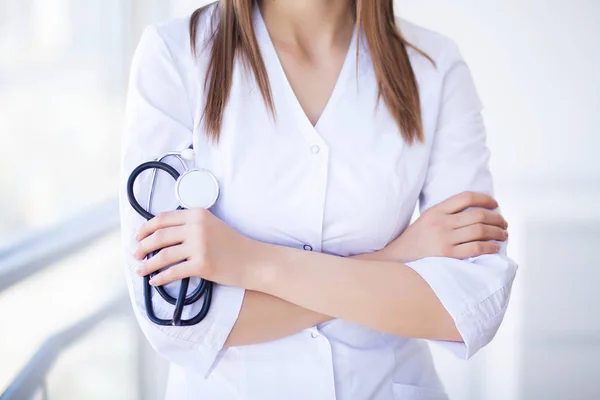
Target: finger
point(474, 249)
point(478, 216)
point(477, 232)
point(465, 200)
point(159, 240)
point(175, 273)
point(162, 259)
point(162, 220)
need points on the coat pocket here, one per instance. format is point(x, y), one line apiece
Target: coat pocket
point(409, 392)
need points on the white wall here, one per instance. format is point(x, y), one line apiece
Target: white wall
point(536, 65)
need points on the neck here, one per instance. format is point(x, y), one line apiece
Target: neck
point(327, 22)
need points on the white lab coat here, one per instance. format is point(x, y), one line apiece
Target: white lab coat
point(348, 185)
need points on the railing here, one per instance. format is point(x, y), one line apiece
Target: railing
point(36, 253)
point(39, 250)
point(32, 377)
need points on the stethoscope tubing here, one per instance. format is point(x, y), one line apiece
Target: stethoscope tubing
point(155, 165)
point(203, 289)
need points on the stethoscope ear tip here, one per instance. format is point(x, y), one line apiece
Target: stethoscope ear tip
point(188, 154)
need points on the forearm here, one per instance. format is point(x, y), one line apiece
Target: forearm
point(387, 296)
point(264, 317)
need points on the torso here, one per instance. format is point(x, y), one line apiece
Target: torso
point(330, 172)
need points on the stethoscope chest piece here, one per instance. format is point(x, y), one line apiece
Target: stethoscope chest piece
point(197, 188)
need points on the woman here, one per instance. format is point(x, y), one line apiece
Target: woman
point(324, 122)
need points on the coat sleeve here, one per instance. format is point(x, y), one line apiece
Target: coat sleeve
point(159, 119)
point(474, 291)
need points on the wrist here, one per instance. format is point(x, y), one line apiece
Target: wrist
point(393, 252)
point(260, 267)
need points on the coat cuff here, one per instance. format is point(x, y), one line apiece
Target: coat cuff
point(475, 293)
point(230, 298)
point(197, 348)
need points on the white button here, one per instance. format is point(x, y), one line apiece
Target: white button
point(314, 335)
point(315, 149)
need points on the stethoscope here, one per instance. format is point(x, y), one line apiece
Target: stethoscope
point(194, 188)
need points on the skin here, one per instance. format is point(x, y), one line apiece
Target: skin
point(311, 39)
point(288, 290)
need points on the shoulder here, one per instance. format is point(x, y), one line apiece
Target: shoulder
point(164, 61)
point(441, 48)
point(173, 35)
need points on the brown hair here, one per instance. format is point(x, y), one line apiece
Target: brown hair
point(234, 34)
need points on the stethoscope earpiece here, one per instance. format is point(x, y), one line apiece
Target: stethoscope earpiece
point(188, 154)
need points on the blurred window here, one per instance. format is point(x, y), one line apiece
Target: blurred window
point(62, 80)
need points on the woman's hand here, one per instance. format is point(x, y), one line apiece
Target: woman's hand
point(460, 227)
point(199, 243)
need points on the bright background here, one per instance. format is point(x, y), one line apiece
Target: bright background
point(63, 72)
